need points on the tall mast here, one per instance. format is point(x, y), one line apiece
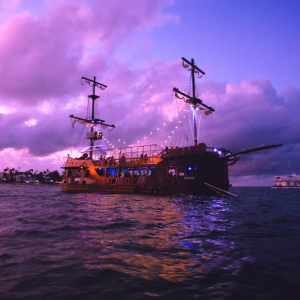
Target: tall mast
point(93, 136)
point(194, 106)
point(94, 97)
point(193, 100)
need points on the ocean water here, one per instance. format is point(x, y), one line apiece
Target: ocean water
point(56, 245)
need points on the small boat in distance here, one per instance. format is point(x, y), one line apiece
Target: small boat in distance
point(291, 181)
point(197, 169)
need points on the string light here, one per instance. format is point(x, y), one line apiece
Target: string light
point(151, 133)
point(158, 129)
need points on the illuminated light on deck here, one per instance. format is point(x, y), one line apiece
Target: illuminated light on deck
point(215, 150)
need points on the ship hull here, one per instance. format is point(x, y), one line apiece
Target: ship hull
point(145, 190)
point(188, 171)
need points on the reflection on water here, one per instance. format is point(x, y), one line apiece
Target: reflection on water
point(56, 245)
point(172, 238)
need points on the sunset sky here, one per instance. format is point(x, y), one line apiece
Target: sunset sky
point(249, 50)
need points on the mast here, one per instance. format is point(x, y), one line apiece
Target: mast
point(194, 106)
point(92, 135)
point(193, 100)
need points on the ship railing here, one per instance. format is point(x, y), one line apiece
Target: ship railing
point(111, 162)
point(194, 150)
point(129, 153)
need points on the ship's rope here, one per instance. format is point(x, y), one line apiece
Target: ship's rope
point(71, 135)
point(80, 137)
point(181, 137)
point(186, 126)
point(165, 127)
point(88, 109)
point(216, 191)
point(96, 111)
point(214, 187)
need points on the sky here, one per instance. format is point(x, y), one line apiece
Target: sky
point(248, 50)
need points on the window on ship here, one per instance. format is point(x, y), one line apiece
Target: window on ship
point(172, 170)
point(125, 172)
point(77, 173)
point(112, 172)
point(101, 172)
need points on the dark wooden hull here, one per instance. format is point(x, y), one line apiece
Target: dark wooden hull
point(136, 189)
point(191, 173)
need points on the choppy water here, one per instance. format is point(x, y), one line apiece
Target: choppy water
point(55, 245)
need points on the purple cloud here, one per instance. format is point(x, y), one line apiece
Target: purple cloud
point(42, 59)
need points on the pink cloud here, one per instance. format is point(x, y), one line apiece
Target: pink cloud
point(8, 5)
point(42, 57)
point(291, 97)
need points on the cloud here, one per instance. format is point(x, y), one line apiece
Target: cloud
point(8, 5)
point(253, 114)
point(13, 158)
point(42, 58)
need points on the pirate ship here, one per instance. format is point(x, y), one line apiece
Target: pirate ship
point(198, 169)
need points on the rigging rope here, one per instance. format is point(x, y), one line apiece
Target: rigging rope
point(214, 187)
